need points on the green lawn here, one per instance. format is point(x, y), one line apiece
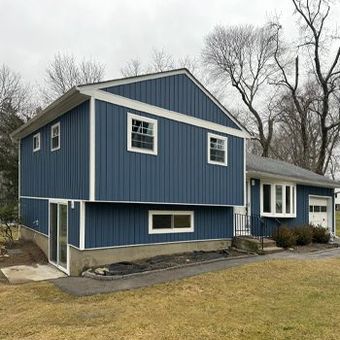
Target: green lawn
point(270, 300)
point(337, 223)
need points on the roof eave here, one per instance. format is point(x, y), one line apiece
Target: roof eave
point(296, 180)
point(66, 102)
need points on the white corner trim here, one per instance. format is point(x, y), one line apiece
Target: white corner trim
point(158, 111)
point(92, 147)
point(82, 208)
point(19, 178)
point(130, 117)
point(38, 137)
point(59, 136)
point(171, 230)
point(225, 139)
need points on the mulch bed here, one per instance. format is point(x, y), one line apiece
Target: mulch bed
point(162, 262)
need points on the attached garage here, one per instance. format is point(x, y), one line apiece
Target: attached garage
point(320, 211)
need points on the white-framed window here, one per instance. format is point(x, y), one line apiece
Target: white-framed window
point(278, 199)
point(55, 136)
point(217, 149)
point(162, 222)
point(142, 134)
point(36, 142)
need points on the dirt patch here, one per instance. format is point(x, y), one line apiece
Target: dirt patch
point(162, 262)
point(314, 247)
point(23, 253)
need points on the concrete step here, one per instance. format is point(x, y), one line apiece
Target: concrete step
point(270, 250)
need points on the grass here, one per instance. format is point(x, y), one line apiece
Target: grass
point(269, 300)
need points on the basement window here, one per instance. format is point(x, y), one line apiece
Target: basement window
point(162, 222)
point(278, 199)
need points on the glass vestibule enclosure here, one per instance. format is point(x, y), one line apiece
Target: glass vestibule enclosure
point(58, 234)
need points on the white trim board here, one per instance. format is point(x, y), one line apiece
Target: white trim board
point(92, 155)
point(160, 112)
point(129, 80)
point(135, 202)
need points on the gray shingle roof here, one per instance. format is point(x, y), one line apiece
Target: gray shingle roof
point(267, 167)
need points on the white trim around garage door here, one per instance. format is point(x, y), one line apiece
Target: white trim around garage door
point(330, 210)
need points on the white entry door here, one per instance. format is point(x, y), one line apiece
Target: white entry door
point(318, 211)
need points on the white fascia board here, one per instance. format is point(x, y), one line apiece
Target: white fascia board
point(268, 176)
point(158, 75)
point(60, 106)
point(160, 112)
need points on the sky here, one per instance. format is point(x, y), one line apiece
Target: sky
point(114, 32)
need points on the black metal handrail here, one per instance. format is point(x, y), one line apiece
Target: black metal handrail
point(253, 225)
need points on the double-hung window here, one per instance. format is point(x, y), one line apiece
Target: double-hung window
point(142, 134)
point(36, 142)
point(278, 199)
point(161, 222)
point(217, 149)
point(55, 137)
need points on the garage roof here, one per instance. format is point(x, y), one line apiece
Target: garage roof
point(272, 168)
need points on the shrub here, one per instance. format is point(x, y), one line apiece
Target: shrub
point(8, 218)
point(320, 234)
point(304, 235)
point(284, 237)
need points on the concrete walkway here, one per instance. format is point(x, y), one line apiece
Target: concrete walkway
point(25, 273)
point(80, 286)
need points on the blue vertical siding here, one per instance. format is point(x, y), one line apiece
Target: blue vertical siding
point(176, 93)
point(110, 224)
point(302, 204)
point(63, 173)
point(73, 224)
point(180, 173)
point(34, 214)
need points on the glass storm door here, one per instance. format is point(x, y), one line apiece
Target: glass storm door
point(58, 234)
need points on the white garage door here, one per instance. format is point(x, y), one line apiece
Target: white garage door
point(318, 211)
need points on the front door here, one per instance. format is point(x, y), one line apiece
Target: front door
point(58, 234)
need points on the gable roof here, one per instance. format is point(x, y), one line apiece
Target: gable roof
point(83, 92)
point(267, 167)
point(157, 75)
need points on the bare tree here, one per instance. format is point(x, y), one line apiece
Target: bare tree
point(160, 61)
point(243, 57)
point(132, 68)
point(65, 71)
point(14, 104)
point(323, 72)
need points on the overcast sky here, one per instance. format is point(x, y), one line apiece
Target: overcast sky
point(113, 31)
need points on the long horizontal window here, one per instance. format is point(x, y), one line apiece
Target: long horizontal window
point(278, 199)
point(161, 222)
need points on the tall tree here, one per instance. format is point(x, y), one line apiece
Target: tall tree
point(65, 71)
point(243, 57)
point(323, 72)
point(14, 102)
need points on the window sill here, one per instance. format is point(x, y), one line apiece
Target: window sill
point(171, 231)
point(217, 163)
point(278, 215)
point(145, 151)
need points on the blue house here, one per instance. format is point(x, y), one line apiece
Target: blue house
point(142, 166)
